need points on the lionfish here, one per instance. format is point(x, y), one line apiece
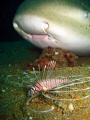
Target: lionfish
point(47, 83)
point(63, 86)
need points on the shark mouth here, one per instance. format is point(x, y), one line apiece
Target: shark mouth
point(43, 35)
point(41, 40)
point(39, 36)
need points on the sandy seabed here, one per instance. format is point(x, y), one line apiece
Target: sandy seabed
point(13, 91)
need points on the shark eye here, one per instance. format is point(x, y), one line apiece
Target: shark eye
point(86, 15)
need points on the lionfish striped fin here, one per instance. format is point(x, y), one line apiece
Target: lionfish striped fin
point(47, 83)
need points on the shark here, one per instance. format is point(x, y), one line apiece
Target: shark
point(61, 24)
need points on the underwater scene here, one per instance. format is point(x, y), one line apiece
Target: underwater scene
point(45, 60)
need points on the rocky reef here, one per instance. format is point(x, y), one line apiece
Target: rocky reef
point(63, 58)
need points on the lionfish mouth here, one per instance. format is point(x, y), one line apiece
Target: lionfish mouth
point(58, 89)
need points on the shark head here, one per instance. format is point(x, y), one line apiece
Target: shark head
point(57, 23)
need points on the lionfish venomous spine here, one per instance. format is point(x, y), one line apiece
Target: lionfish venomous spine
point(47, 83)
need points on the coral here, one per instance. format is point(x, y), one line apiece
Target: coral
point(63, 58)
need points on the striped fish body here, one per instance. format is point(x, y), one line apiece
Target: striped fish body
point(47, 84)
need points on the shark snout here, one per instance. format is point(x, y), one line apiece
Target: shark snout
point(30, 24)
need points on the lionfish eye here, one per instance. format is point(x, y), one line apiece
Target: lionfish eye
point(33, 88)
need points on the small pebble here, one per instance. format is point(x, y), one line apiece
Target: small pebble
point(30, 118)
point(70, 107)
point(25, 118)
point(28, 113)
point(9, 75)
point(3, 90)
point(25, 73)
point(9, 65)
point(56, 53)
